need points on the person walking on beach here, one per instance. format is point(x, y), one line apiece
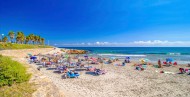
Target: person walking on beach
point(159, 64)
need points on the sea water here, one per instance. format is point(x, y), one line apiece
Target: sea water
point(179, 54)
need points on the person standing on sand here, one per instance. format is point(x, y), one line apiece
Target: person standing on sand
point(159, 64)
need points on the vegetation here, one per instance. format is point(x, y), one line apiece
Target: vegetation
point(14, 79)
point(12, 72)
point(24, 89)
point(5, 39)
point(21, 38)
point(21, 41)
point(21, 46)
point(11, 35)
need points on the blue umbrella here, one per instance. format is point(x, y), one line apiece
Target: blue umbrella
point(127, 57)
point(33, 57)
point(169, 60)
point(112, 58)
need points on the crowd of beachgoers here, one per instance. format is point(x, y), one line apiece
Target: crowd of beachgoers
point(90, 76)
point(69, 64)
point(83, 75)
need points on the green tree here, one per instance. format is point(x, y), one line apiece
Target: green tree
point(27, 39)
point(39, 40)
point(31, 36)
point(5, 39)
point(20, 38)
point(42, 41)
point(36, 38)
point(11, 35)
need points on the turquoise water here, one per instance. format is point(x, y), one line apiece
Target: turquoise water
point(179, 54)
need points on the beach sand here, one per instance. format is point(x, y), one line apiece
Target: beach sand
point(119, 81)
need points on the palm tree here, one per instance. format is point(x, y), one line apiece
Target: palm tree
point(39, 39)
point(36, 38)
point(32, 38)
point(42, 41)
point(5, 39)
point(27, 39)
point(20, 37)
point(11, 35)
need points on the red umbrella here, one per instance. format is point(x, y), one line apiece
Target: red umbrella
point(94, 59)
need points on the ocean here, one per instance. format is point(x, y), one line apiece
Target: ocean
point(179, 54)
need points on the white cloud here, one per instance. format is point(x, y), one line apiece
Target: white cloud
point(162, 43)
point(83, 43)
point(89, 43)
point(101, 43)
point(150, 43)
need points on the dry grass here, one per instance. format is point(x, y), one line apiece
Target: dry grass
point(17, 90)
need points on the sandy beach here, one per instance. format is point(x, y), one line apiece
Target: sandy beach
point(119, 81)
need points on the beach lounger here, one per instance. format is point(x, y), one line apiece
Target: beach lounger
point(62, 69)
point(99, 72)
point(144, 66)
point(92, 69)
point(72, 75)
point(156, 66)
point(141, 67)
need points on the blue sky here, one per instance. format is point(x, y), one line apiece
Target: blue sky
point(100, 22)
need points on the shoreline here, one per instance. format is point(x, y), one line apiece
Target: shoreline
point(135, 57)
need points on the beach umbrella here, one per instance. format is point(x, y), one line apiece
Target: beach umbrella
point(86, 56)
point(101, 62)
point(169, 60)
point(33, 57)
point(66, 56)
point(94, 59)
point(127, 57)
point(146, 60)
point(143, 60)
point(29, 54)
point(112, 58)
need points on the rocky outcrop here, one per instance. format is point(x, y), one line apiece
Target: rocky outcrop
point(76, 51)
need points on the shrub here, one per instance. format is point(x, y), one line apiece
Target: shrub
point(12, 72)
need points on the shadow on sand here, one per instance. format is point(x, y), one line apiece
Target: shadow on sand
point(80, 69)
point(91, 73)
point(51, 69)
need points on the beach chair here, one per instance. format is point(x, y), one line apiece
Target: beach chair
point(144, 66)
point(92, 69)
point(138, 68)
point(99, 72)
point(72, 75)
point(62, 69)
point(48, 64)
point(156, 66)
